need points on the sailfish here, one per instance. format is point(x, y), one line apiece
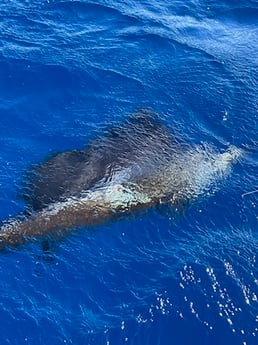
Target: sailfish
point(133, 166)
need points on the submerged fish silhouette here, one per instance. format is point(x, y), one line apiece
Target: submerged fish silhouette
point(134, 166)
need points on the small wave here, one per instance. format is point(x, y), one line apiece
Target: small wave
point(81, 11)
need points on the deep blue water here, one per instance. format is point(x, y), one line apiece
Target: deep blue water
point(67, 70)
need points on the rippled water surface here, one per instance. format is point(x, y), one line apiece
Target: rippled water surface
point(70, 69)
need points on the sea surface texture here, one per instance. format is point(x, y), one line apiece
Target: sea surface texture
point(70, 69)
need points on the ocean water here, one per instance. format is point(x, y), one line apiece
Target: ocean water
point(68, 69)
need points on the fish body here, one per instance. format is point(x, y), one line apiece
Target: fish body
point(137, 166)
